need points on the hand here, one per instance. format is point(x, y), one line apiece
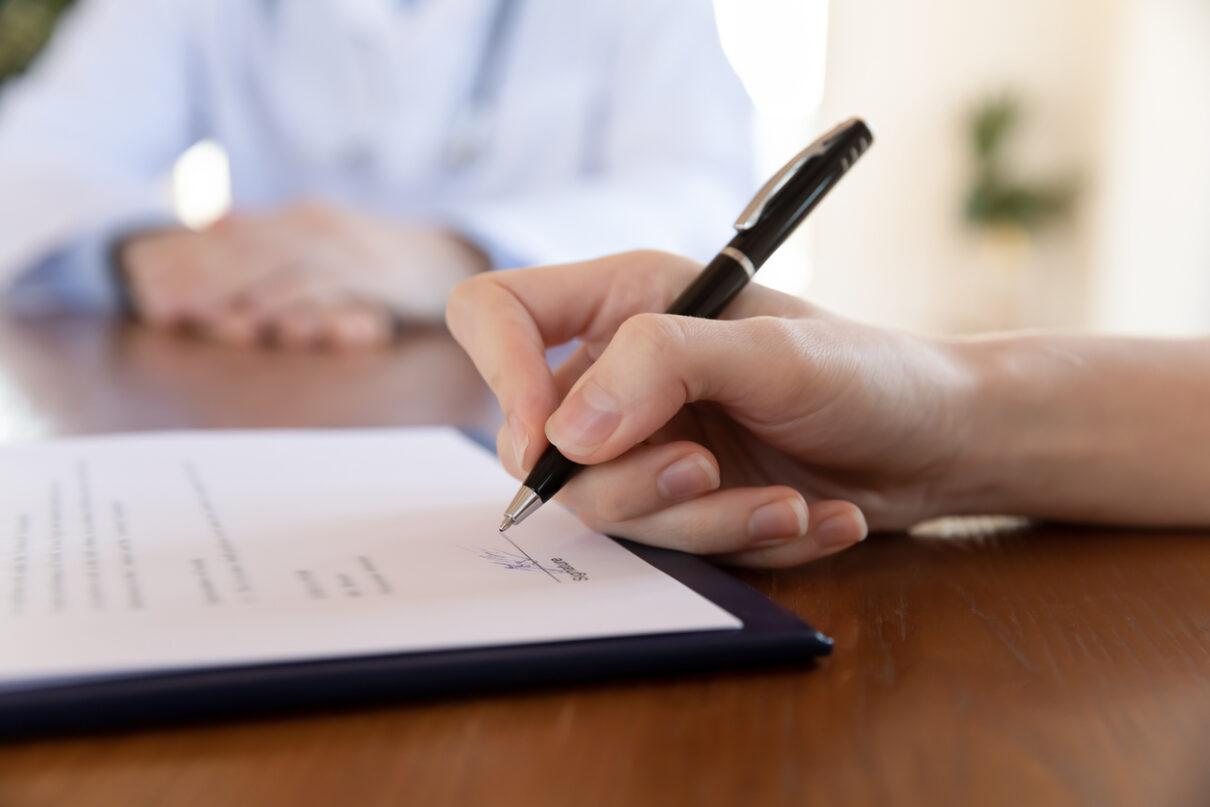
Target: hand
point(305, 275)
point(762, 438)
point(177, 277)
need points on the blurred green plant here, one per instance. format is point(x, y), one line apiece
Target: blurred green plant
point(25, 25)
point(996, 199)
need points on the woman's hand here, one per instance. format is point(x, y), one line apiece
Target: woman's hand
point(763, 437)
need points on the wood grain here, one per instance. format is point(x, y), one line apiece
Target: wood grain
point(1044, 666)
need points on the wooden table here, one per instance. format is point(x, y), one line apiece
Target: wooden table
point(1051, 666)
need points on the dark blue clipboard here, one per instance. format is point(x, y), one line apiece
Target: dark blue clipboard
point(769, 635)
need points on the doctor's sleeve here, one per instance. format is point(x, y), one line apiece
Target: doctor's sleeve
point(85, 138)
point(674, 162)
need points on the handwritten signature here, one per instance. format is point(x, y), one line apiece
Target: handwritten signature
point(511, 560)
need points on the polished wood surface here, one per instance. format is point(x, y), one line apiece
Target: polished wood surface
point(1044, 666)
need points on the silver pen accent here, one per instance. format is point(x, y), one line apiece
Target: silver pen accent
point(740, 258)
point(756, 208)
point(524, 503)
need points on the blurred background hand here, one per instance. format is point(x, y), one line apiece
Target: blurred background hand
point(306, 275)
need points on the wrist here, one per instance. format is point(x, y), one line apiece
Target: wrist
point(1024, 438)
point(952, 433)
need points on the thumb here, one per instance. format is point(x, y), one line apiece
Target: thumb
point(657, 363)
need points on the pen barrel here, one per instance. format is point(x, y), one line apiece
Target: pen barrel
point(550, 473)
point(715, 287)
point(760, 242)
point(781, 213)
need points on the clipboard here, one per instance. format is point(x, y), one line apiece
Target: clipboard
point(770, 635)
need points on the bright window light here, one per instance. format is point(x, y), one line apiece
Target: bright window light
point(201, 184)
point(779, 50)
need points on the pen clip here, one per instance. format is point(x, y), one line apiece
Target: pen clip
point(756, 208)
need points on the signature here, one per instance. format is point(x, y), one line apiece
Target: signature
point(512, 560)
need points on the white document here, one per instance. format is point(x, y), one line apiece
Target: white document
point(183, 551)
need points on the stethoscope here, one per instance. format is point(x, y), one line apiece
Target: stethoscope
point(471, 128)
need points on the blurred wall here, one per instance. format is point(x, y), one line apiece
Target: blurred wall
point(1153, 247)
point(890, 244)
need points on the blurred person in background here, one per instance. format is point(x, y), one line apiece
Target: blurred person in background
point(380, 150)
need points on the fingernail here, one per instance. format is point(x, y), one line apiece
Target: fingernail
point(584, 421)
point(520, 439)
point(778, 522)
point(687, 477)
point(841, 530)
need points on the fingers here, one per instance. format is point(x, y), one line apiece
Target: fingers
point(287, 307)
point(342, 325)
point(551, 305)
point(834, 526)
point(266, 297)
point(233, 325)
point(163, 273)
point(297, 308)
point(731, 520)
point(667, 495)
point(358, 325)
point(181, 277)
point(657, 363)
point(299, 327)
point(670, 473)
point(234, 261)
point(307, 324)
point(283, 277)
point(647, 479)
point(765, 527)
point(506, 320)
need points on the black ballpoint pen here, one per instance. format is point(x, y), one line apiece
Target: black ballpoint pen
point(770, 218)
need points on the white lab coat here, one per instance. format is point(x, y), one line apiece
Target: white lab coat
point(613, 125)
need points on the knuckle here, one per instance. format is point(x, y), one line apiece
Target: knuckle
point(645, 261)
point(781, 337)
point(633, 282)
point(653, 333)
point(775, 333)
point(651, 352)
point(797, 348)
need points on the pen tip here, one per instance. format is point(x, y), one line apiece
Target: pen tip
point(505, 524)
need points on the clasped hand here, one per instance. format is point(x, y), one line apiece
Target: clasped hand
point(306, 275)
